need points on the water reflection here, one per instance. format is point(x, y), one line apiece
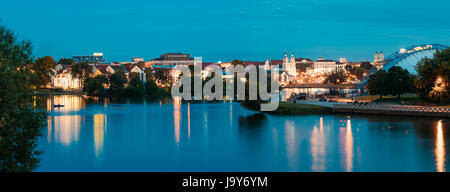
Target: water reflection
point(289, 131)
point(70, 102)
point(176, 119)
point(253, 121)
point(254, 142)
point(349, 147)
point(64, 129)
point(318, 144)
point(99, 129)
point(440, 148)
point(189, 121)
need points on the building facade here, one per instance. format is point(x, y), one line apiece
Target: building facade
point(325, 66)
point(64, 79)
point(95, 58)
point(171, 59)
point(289, 65)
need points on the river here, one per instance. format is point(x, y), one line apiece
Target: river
point(142, 135)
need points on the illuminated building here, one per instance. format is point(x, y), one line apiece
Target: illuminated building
point(64, 79)
point(326, 66)
point(171, 59)
point(95, 58)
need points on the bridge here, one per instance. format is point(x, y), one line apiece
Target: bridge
point(406, 58)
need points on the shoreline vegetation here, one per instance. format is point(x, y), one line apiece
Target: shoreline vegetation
point(21, 124)
point(287, 108)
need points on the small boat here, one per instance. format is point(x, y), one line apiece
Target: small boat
point(58, 105)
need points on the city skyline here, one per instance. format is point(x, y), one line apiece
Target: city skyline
point(222, 31)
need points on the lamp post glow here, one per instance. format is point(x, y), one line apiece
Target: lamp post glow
point(439, 88)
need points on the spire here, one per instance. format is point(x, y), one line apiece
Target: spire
point(292, 57)
point(376, 58)
point(267, 65)
point(285, 59)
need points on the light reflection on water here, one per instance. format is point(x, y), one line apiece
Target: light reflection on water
point(99, 132)
point(349, 146)
point(440, 148)
point(318, 145)
point(158, 136)
point(176, 119)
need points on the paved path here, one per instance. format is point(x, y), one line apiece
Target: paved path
point(382, 108)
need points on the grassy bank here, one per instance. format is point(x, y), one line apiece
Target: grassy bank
point(406, 99)
point(54, 91)
point(286, 108)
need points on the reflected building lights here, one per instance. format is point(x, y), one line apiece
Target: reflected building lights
point(346, 146)
point(66, 128)
point(189, 121)
point(440, 148)
point(289, 131)
point(70, 102)
point(176, 118)
point(318, 146)
point(349, 147)
point(99, 132)
point(49, 129)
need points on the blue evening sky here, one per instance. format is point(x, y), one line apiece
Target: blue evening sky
point(224, 30)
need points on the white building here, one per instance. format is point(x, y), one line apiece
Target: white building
point(64, 79)
point(326, 66)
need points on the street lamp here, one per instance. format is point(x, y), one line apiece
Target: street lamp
point(439, 87)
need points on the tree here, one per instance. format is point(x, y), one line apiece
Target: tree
point(135, 82)
point(44, 67)
point(423, 81)
point(162, 76)
point(377, 83)
point(236, 62)
point(359, 73)
point(81, 71)
point(135, 87)
point(440, 90)
point(366, 65)
point(429, 70)
point(65, 61)
point(20, 123)
point(151, 88)
point(400, 81)
point(95, 86)
point(337, 76)
point(133, 75)
point(117, 82)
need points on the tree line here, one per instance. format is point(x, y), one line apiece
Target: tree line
point(430, 81)
point(21, 122)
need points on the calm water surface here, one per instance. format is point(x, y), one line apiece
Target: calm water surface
point(167, 136)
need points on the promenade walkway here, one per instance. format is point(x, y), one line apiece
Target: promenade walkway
point(381, 108)
point(387, 109)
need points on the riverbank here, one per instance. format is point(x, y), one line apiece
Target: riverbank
point(56, 91)
point(398, 110)
point(287, 108)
